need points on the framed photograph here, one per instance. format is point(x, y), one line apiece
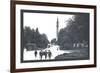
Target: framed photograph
point(51, 36)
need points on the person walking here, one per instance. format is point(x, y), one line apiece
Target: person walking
point(45, 53)
point(35, 53)
point(40, 53)
point(49, 54)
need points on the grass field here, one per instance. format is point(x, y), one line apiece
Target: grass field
point(76, 54)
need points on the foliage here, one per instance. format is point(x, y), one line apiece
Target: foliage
point(77, 30)
point(53, 41)
point(34, 36)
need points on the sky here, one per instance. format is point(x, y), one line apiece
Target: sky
point(46, 23)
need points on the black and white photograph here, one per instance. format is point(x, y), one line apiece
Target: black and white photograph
point(54, 36)
point(51, 36)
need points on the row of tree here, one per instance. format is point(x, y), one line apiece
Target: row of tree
point(76, 30)
point(33, 36)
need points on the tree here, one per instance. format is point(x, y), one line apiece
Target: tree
point(53, 41)
point(76, 30)
point(79, 27)
point(43, 41)
point(34, 36)
point(27, 35)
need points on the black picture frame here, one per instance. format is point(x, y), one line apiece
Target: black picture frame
point(13, 34)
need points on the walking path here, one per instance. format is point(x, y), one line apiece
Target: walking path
point(29, 55)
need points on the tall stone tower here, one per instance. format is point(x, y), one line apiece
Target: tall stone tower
point(57, 29)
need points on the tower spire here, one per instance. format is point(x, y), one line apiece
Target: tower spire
point(57, 27)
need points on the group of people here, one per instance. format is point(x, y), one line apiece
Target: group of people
point(46, 54)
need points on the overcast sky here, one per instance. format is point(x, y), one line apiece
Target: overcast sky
point(46, 23)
